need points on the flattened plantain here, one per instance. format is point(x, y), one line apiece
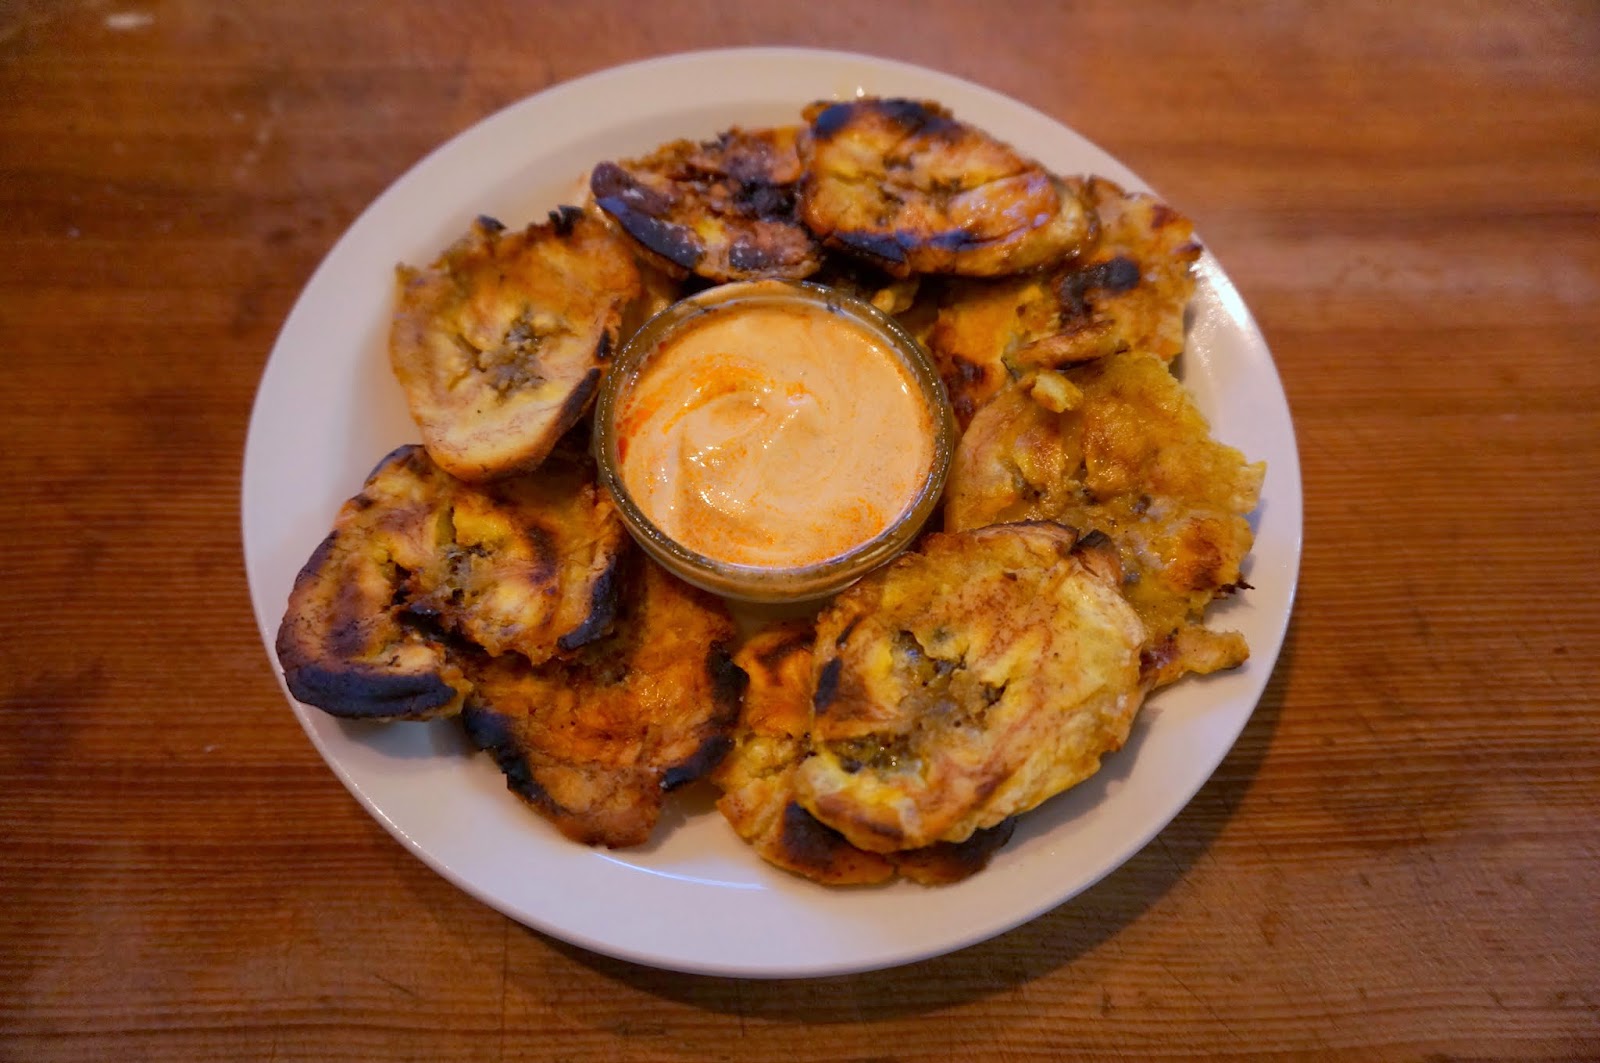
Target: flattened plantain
point(757, 781)
point(526, 564)
point(500, 344)
point(1128, 455)
point(419, 563)
point(909, 188)
point(723, 209)
point(1129, 293)
point(593, 741)
point(979, 327)
point(346, 643)
point(757, 776)
point(967, 683)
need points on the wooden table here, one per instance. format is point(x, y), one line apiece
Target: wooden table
point(1398, 859)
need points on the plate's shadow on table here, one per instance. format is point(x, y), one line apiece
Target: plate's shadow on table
point(1056, 939)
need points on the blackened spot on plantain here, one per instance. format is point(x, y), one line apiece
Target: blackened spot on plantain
point(602, 610)
point(764, 200)
point(564, 217)
point(849, 629)
point(348, 635)
point(798, 642)
point(827, 685)
point(953, 861)
point(578, 401)
point(602, 350)
point(708, 756)
point(807, 840)
point(1119, 274)
point(747, 256)
point(1093, 541)
point(728, 683)
point(912, 115)
point(422, 612)
point(319, 556)
point(490, 225)
point(675, 243)
point(1158, 654)
point(831, 120)
point(547, 562)
point(491, 732)
point(410, 455)
point(874, 246)
point(955, 240)
point(609, 181)
point(1114, 275)
point(363, 693)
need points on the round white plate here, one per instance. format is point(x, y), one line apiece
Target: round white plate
point(697, 899)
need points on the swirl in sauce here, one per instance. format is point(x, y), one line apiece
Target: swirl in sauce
point(774, 435)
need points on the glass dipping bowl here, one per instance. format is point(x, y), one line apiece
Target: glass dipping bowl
point(761, 583)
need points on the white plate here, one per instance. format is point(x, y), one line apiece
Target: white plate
point(697, 899)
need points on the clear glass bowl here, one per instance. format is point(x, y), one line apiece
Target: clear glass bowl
point(755, 583)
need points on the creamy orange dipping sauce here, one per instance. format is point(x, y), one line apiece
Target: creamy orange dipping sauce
point(774, 435)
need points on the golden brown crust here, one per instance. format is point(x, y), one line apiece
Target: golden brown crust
point(723, 209)
point(1128, 293)
point(500, 345)
point(910, 189)
point(1132, 457)
point(1191, 650)
point(966, 683)
point(594, 742)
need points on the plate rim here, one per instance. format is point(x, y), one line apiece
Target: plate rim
point(1238, 312)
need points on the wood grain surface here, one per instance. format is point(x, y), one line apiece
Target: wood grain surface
point(1397, 861)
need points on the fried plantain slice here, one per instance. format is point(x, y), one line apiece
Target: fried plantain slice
point(593, 741)
point(757, 776)
point(501, 343)
point(1129, 293)
point(909, 188)
point(526, 564)
point(979, 327)
point(1129, 455)
point(723, 209)
point(757, 781)
point(346, 643)
point(967, 683)
point(419, 561)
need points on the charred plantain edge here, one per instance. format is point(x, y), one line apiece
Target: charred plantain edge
point(602, 609)
point(808, 841)
point(700, 764)
point(366, 694)
point(489, 731)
